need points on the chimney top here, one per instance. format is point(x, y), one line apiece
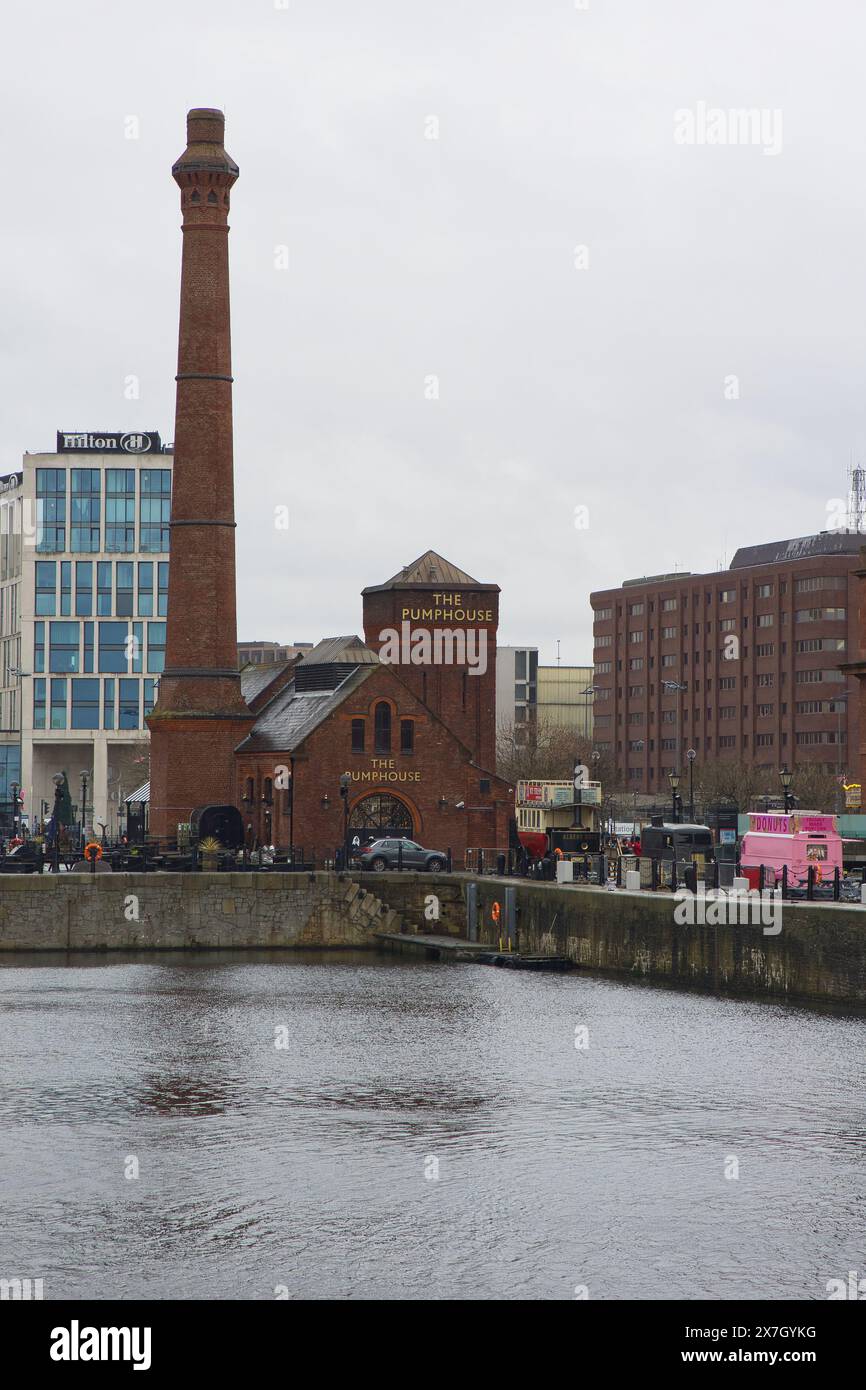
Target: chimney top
point(205, 152)
point(205, 124)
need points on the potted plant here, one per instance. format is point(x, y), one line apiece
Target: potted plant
point(209, 848)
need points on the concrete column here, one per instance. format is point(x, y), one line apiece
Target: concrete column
point(98, 795)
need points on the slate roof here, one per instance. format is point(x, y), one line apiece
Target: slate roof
point(429, 571)
point(292, 715)
point(802, 548)
point(341, 649)
point(255, 678)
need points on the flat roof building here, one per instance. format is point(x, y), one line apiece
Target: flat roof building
point(84, 541)
point(743, 664)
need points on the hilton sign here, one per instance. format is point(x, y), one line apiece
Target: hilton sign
point(83, 443)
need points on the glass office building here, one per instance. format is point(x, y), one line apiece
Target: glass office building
point(84, 566)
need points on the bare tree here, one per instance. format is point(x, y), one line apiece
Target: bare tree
point(546, 751)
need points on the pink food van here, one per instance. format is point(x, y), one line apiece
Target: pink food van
point(799, 839)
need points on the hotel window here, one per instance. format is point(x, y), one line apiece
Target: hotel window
point(39, 646)
point(825, 581)
point(120, 509)
point(765, 679)
point(145, 588)
point(635, 610)
point(669, 605)
point(64, 639)
point(603, 668)
point(520, 666)
point(357, 735)
point(727, 711)
point(84, 588)
point(668, 632)
point(112, 648)
point(149, 695)
point(162, 569)
point(383, 727)
point(85, 502)
point(407, 735)
point(635, 692)
point(65, 588)
point(727, 595)
point(765, 649)
point(156, 647)
point(103, 588)
point(123, 595)
point(130, 693)
point(135, 648)
point(155, 484)
point(108, 703)
point(635, 664)
point(635, 637)
point(728, 741)
point(636, 717)
point(763, 591)
point(727, 624)
point(88, 648)
point(668, 716)
point(46, 583)
point(765, 620)
point(602, 614)
point(50, 509)
point(39, 704)
point(85, 704)
point(820, 615)
point(764, 740)
point(764, 711)
point(669, 659)
point(604, 640)
point(58, 704)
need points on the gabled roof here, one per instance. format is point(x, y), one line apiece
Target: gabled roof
point(293, 714)
point(255, 679)
point(353, 650)
point(429, 571)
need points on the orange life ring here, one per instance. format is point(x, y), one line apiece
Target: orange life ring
point(495, 911)
point(93, 845)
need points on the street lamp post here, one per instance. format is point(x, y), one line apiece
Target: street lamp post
point(345, 785)
point(691, 755)
point(83, 804)
point(679, 686)
point(674, 779)
point(786, 778)
point(839, 701)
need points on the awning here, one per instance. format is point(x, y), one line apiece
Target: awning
point(139, 797)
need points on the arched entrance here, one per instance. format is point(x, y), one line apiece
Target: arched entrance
point(377, 817)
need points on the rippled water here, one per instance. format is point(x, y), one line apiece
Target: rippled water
point(311, 1167)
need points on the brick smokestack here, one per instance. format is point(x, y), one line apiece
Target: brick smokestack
point(200, 716)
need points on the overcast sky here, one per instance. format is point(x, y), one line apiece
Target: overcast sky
point(600, 378)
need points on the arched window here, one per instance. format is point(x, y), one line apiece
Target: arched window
point(250, 791)
point(268, 792)
point(383, 727)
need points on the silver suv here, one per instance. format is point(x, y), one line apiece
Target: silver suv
point(388, 854)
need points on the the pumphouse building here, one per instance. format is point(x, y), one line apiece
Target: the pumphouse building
point(409, 714)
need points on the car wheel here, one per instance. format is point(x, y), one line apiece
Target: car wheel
point(379, 865)
point(434, 866)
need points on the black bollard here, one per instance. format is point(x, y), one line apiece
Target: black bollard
point(674, 874)
point(448, 869)
point(500, 865)
point(836, 884)
point(400, 856)
point(810, 883)
point(784, 881)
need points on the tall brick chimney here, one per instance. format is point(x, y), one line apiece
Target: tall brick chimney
point(200, 716)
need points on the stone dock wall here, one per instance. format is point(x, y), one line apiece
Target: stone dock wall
point(818, 955)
